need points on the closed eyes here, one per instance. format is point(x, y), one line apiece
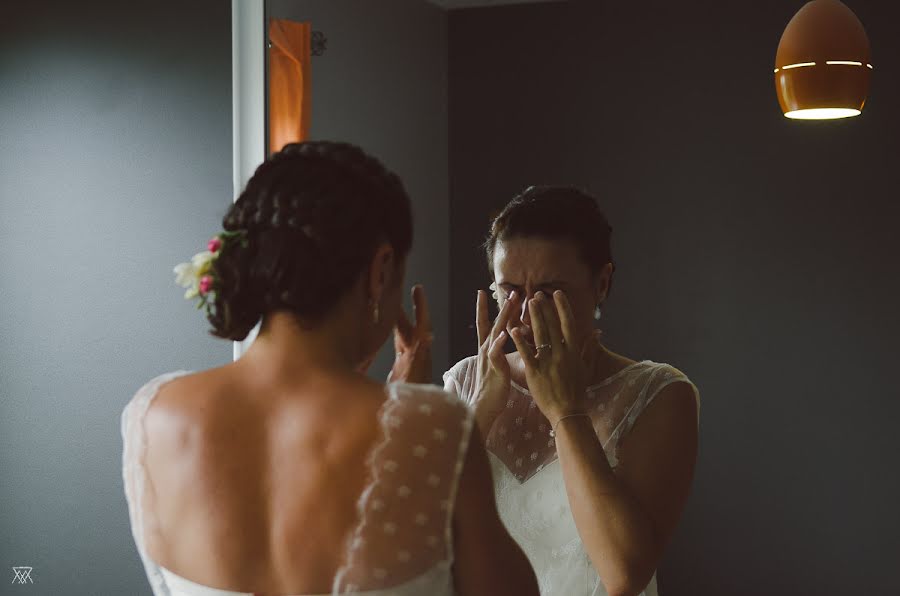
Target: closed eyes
point(507, 289)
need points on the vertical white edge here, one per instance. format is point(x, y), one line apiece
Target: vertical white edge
point(248, 102)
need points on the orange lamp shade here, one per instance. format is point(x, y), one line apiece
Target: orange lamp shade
point(822, 67)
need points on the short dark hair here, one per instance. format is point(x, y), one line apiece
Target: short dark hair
point(313, 214)
point(554, 212)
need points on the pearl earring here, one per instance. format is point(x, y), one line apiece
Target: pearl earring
point(375, 314)
point(597, 313)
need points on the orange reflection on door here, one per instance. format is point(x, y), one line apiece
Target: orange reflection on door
point(289, 82)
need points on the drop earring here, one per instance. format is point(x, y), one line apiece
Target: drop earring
point(597, 313)
point(375, 313)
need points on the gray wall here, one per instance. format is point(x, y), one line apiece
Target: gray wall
point(115, 164)
point(382, 84)
point(758, 254)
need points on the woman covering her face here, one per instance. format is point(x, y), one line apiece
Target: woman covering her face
point(592, 452)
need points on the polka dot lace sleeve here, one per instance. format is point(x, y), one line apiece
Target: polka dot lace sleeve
point(405, 511)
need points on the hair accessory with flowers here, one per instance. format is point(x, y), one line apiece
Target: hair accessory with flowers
point(197, 275)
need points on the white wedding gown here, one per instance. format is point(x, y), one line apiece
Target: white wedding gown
point(402, 544)
point(528, 482)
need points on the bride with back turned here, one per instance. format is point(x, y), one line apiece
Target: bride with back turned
point(289, 471)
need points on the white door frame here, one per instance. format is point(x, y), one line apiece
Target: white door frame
point(248, 43)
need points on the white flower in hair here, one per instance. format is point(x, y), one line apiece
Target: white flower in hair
point(197, 275)
point(185, 273)
point(190, 275)
point(202, 261)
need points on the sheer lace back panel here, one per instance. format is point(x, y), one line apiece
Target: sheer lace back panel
point(520, 436)
point(402, 543)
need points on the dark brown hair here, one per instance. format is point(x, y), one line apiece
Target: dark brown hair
point(555, 212)
point(314, 214)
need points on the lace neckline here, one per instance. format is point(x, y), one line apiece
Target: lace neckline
point(533, 475)
point(589, 388)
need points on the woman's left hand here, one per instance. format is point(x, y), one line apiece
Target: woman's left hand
point(412, 343)
point(555, 372)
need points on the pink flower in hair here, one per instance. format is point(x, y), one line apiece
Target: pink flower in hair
point(214, 244)
point(205, 284)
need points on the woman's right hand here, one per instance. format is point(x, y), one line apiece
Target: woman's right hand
point(492, 380)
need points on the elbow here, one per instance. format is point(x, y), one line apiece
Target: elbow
point(625, 588)
point(626, 571)
point(629, 582)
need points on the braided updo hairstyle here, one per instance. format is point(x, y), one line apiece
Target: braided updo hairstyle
point(555, 212)
point(313, 214)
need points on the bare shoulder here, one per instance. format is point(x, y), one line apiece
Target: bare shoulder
point(186, 395)
point(670, 384)
point(186, 405)
point(225, 388)
point(670, 416)
point(676, 400)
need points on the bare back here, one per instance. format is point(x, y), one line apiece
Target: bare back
point(247, 488)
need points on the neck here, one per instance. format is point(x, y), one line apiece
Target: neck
point(596, 359)
point(285, 350)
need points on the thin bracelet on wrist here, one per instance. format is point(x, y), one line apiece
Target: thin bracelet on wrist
point(553, 430)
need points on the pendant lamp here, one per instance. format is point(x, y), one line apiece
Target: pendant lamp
point(822, 67)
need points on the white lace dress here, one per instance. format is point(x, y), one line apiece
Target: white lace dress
point(528, 481)
point(402, 544)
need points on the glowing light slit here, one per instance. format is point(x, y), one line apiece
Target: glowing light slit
point(844, 62)
point(798, 65)
point(822, 114)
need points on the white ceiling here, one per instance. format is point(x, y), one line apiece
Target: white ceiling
point(451, 4)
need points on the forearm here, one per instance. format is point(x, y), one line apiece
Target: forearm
point(485, 417)
point(617, 534)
